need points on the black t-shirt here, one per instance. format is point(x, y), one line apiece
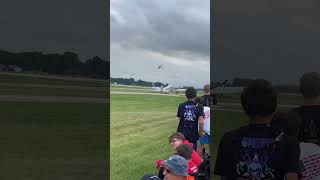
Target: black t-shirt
point(207, 100)
point(189, 113)
point(310, 126)
point(255, 152)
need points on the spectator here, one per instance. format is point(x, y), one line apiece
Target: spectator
point(254, 151)
point(191, 118)
point(310, 110)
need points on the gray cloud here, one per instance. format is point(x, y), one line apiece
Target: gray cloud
point(168, 27)
point(148, 33)
point(276, 40)
point(54, 26)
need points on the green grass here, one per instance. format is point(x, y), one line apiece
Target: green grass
point(24, 85)
point(53, 141)
point(6, 78)
point(140, 127)
point(52, 91)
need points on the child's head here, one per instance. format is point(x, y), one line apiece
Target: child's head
point(185, 151)
point(310, 85)
point(259, 99)
point(176, 139)
point(199, 100)
point(206, 89)
point(191, 93)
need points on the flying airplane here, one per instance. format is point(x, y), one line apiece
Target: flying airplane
point(160, 67)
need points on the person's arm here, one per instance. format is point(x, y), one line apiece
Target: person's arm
point(178, 113)
point(292, 159)
point(219, 168)
point(201, 121)
point(201, 125)
point(291, 176)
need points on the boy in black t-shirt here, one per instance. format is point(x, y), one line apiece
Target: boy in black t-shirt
point(255, 151)
point(191, 118)
point(310, 110)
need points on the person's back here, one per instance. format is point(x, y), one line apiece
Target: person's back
point(310, 159)
point(310, 110)
point(310, 127)
point(190, 118)
point(255, 151)
point(208, 100)
point(309, 152)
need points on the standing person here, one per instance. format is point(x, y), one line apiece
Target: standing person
point(255, 151)
point(309, 152)
point(206, 97)
point(310, 110)
point(191, 118)
point(205, 140)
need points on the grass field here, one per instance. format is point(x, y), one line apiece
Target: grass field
point(141, 124)
point(140, 127)
point(44, 141)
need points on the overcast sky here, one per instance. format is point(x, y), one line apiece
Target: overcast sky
point(175, 33)
point(273, 39)
point(54, 26)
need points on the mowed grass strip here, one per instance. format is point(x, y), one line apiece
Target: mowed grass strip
point(53, 141)
point(6, 78)
point(140, 127)
point(52, 91)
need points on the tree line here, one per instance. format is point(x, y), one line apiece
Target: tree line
point(67, 63)
point(133, 82)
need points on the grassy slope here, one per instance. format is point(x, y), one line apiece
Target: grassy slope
point(140, 126)
point(52, 141)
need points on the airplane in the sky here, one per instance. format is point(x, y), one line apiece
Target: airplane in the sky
point(160, 67)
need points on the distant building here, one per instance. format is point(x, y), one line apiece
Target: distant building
point(3, 68)
point(14, 68)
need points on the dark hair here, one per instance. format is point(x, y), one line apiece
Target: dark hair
point(206, 88)
point(185, 151)
point(259, 98)
point(191, 92)
point(199, 100)
point(310, 85)
point(176, 135)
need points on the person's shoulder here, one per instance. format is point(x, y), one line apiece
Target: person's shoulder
point(297, 109)
point(289, 140)
point(183, 103)
point(235, 134)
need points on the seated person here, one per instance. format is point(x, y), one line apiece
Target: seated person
point(175, 168)
point(177, 139)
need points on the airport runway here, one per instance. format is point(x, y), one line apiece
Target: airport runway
point(55, 86)
point(55, 77)
point(63, 99)
point(144, 93)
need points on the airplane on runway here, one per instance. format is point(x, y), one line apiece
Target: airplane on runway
point(169, 89)
point(221, 89)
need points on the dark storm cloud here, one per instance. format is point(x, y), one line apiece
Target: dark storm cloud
point(54, 27)
point(276, 40)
